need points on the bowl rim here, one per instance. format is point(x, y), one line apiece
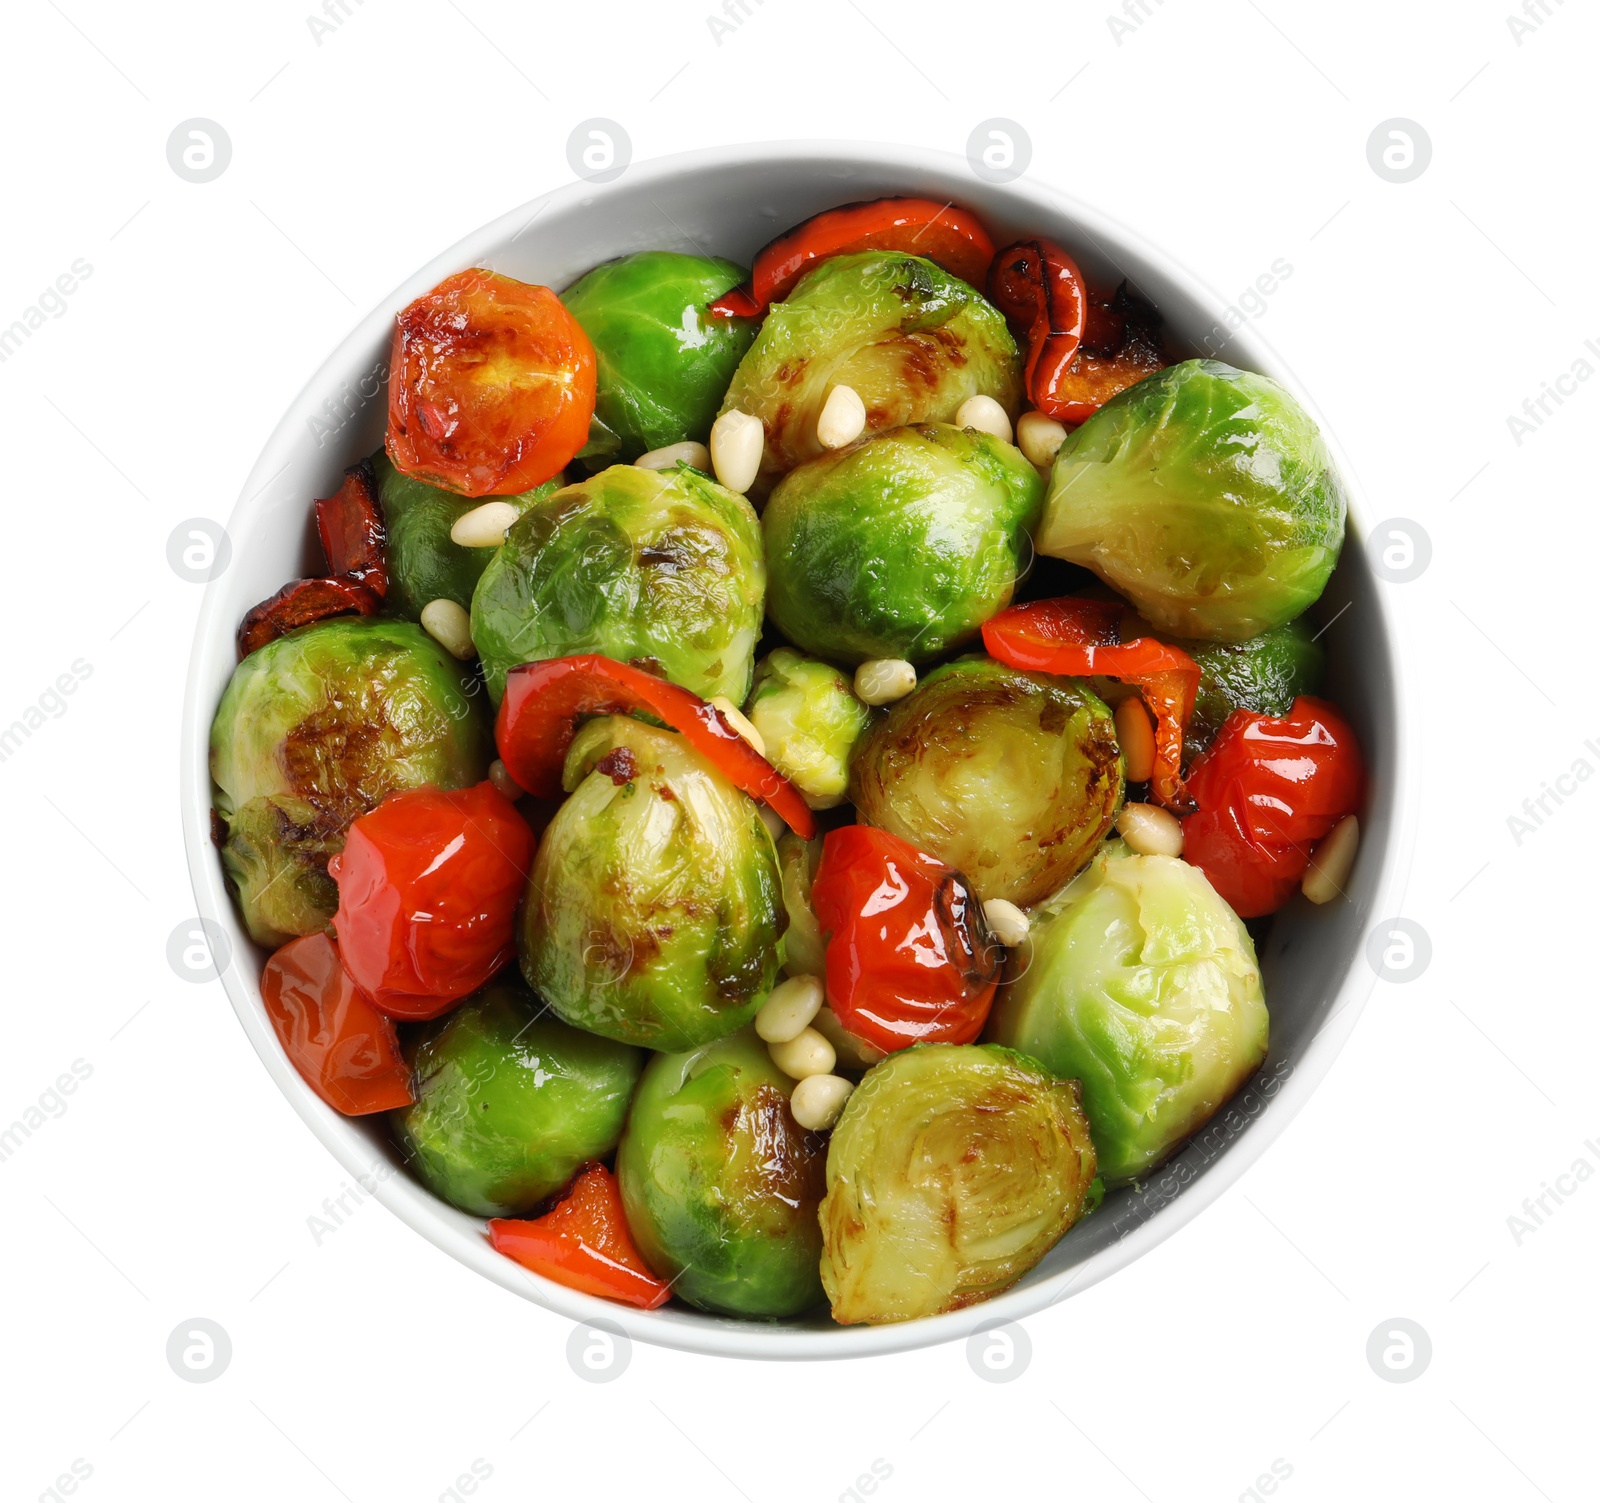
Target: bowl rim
point(693, 1331)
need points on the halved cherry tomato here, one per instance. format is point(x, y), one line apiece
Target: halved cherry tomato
point(1076, 637)
point(950, 237)
point(428, 889)
point(491, 386)
point(343, 1047)
point(299, 603)
point(1268, 788)
point(350, 524)
point(910, 959)
point(584, 1244)
point(544, 701)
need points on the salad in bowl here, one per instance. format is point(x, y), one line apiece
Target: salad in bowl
point(775, 788)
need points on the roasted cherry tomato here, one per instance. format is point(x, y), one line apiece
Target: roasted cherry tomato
point(948, 236)
point(491, 386)
point(584, 1244)
point(1078, 638)
point(544, 701)
point(1268, 788)
point(299, 603)
point(350, 525)
point(343, 1047)
point(910, 959)
point(428, 890)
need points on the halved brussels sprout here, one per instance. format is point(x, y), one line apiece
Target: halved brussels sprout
point(900, 546)
point(720, 1185)
point(511, 1103)
point(663, 364)
point(660, 568)
point(1206, 496)
point(1140, 982)
point(810, 719)
point(911, 340)
point(653, 912)
point(314, 730)
point(424, 565)
point(803, 949)
point(1012, 778)
point(953, 1169)
point(1266, 674)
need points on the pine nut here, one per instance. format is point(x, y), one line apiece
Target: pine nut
point(484, 526)
point(851, 1048)
point(817, 1101)
point(1331, 861)
point(736, 443)
point(881, 681)
point(737, 719)
point(450, 627)
point(788, 1011)
point(843, 418)
point(689, 452)
point(1039, 437)
point(986, 415)
point(807, 1053)
point(1150, 831)
point(1008, 922)
point(503, 782)
point(1137, 738)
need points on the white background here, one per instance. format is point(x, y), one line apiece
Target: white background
point(178, 1183)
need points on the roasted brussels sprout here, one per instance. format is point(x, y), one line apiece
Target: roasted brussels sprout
point(424, 565)
point(653, 912)
point(911, 340)
point(313, 731)
point(803, 949)
point(511, 1103)
point(663, 364)
point(1013, 778)
point(1205, 495)
point(810, 719)
point(1266, 674)
point(719, 1184)
point(1143, 985)
point(953, 1169)
point(901, 546)
point(662, 568)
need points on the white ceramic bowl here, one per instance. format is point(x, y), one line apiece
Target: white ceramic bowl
point(729, 201)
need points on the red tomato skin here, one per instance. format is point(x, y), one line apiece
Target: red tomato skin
point(343, 1047)
point(909, 958)
point(429, 883)
point(463, 411)
point(1267, 789)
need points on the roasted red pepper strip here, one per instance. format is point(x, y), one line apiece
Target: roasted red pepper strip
point(350, 524)
point(1038, 286)
point(1082, 349)
point(1268, 788)
point(429, 884)
point(343, 1047)
point(299, 603)
point(950, 237)
point(584, 1244)
point(544, 702)
point(1077, 638)
point(910, 959)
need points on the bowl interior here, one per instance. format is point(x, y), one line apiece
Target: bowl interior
point(729, 202)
